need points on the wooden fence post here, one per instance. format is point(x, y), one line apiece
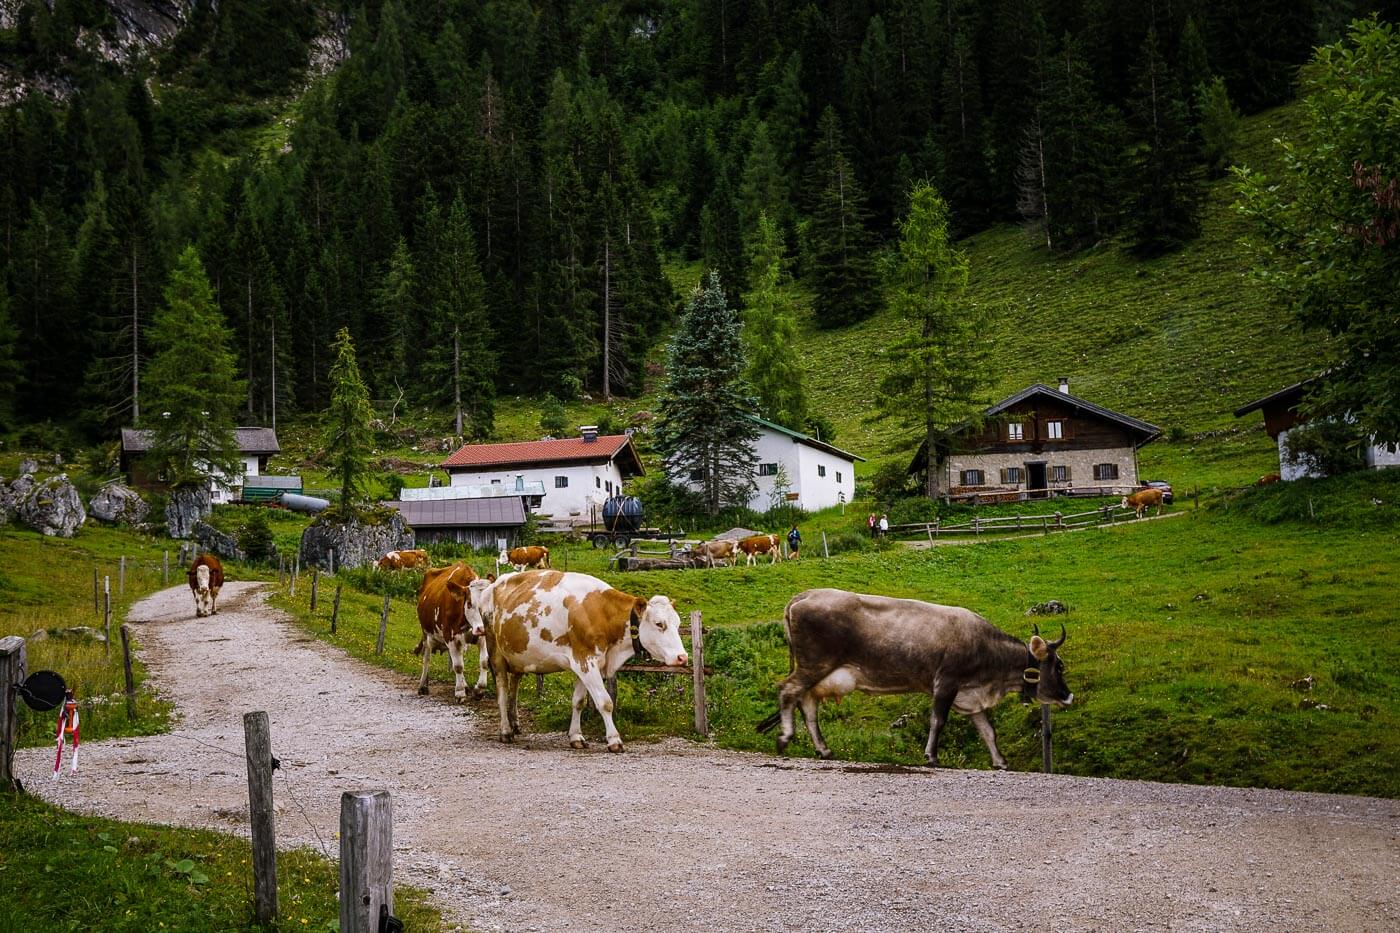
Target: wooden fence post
point(366, 859)
point(126, 669)
point(315, 579)
point(165, 567)
point(825, 552)
point(332, 561)
point(1045, 760)
point(12, 671)
point(121, 576)
point(697, 661)
point(383, 624)
point(928, 530)
point(296, 572)
point(96, 593)
point(107, 614)
point(257, 741)
point(335, 608)
point(1059, 522)
point(976, 525)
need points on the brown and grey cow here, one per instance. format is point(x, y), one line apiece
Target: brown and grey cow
point(841, 642)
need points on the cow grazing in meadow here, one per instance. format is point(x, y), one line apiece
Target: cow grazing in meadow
point(841, 642)
point(448, 620)
point(757, 546)
point(718, 551)
point(1140, 500)
point(1268, 479)
point(526, 558)
point(545, 621)
point(403, 560)
point(206, 577)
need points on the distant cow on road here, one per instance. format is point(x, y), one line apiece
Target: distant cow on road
point(841, 642)
point(205, 576)
point(1140, 500)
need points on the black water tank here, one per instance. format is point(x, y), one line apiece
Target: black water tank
point(622, 513)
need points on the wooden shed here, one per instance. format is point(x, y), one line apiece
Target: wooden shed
point(477, 522)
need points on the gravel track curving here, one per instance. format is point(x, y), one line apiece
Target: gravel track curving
point(678, 836)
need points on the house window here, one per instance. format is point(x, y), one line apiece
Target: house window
point(609, 485)
point(598, 482)
point(561, 482)
point(972, 477)
point(838, 476)
point(1055, 430)
point(767, 469)
point(1059, 474)
point(1011, 476)
point(821, 470)
point(495, 482)
point(697, 475)
point(1105, 471)
point(1015, 432)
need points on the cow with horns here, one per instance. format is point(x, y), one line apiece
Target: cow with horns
point(841, 642)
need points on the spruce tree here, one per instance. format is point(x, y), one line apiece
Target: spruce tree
point(348, 437)
point(841, 247)
point(940, 371)
point(1165, 177)
point(192, 385)
point(1082, 138)
point(770, 332)
point(1218, 124)
point(704, 433)
point(10, 369)
point(395, 310)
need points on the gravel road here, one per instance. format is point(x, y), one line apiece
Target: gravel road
point(679, 836)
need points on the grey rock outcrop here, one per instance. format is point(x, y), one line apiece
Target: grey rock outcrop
point(356, 543)
point(184, 507)
point(53, 507)
point(9, 502)
point(28, 465)
point(213, 540)
point(119, 503)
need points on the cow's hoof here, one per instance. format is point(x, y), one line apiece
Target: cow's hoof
point(577, 743)
point(931, 762)
point(507, 737)
point(614, 747)
point(826, 755)
point(422, 691)
point(782, 745)
point(460, 697)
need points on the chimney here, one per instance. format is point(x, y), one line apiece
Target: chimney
point(1064, 385)
point(589, 432)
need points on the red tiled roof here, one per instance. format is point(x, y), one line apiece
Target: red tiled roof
point(541, 453)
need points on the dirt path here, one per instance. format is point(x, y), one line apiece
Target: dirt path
point(677, 836)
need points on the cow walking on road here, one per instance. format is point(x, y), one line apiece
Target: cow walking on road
point(206, 577)
point(841, 642)
point(448, 620)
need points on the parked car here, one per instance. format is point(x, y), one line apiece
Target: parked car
point(1163, 485)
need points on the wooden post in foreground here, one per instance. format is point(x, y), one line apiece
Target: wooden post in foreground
point(107, 614)
point(126, 669)
point(296, 572)
point(335, 608)
point(697, 663)
point(257, 741)
point(383, 624)
point(96, 593)
point(366, 859)
point(825, 552)
point(165, 568)
point(12, 671)
point(1045, 760)
point(121, 576)
point(315, 579)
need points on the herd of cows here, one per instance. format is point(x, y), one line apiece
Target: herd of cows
point(543, 621)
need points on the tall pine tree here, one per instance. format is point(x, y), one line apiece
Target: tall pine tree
point(770, 332)
point(704, 432)
point(348, 438)
point(1164, 174)
point(840, 246)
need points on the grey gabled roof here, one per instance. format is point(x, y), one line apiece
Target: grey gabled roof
point(1148, 431)
point(505, 512)
point(1291, 394)
point(271, 481)
point(251, 440)
point(807, 439)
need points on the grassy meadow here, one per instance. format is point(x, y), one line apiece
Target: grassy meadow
point(1245, 642)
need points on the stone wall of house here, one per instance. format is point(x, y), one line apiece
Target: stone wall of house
point(1080, 462)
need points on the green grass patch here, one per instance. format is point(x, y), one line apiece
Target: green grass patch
point(61, 871)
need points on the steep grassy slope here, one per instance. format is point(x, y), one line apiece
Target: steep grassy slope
point(1178, 341)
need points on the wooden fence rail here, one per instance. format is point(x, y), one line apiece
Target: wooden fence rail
point(1057, 521)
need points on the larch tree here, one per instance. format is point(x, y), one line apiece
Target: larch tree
point(704, 432)
point(192, 387)
point(348, 437)
point(770, 332)
point(941, 370)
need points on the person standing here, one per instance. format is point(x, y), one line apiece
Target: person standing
point(884, 525)
point(870, 525)
point(794, 540)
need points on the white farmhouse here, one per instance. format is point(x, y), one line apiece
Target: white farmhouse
point(796, 468)
point(579, 473)
point(1282, 415)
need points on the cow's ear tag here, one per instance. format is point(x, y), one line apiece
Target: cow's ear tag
point(1039, 648)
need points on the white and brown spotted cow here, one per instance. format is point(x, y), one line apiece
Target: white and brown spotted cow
point(444, 604)
point(206, 577)
point(403, 560)
point(526, 558)
point(544, 621)
point(756, 546)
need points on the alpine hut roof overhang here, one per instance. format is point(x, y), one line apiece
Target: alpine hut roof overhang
point(569, 451)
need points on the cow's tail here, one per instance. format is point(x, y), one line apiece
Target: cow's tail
point(768, 722)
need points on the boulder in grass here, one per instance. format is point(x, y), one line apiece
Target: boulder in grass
point(358, 541)
point(211, 539)
point(116, 503)
point(1052, 607)
point(184, 507)
point(53, 507)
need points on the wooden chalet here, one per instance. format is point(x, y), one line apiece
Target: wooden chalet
point(1281, 411)
point(1039, 442)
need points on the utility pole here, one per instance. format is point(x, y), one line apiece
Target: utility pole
point(135, 343)
point(457, 374)
point(607, 319)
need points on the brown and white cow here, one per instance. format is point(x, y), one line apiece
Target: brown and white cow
point(756, 546)
point(206, 576)
point(403, 560)
point(841, 642)
point(444, 604)
point(526, 558)
point(1140, 500)
point(545, 621)
point(718, 551)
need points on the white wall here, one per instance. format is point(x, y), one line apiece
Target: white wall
point(800, 462)
point(588, 487)
point(1380, 457)
point(822, 492)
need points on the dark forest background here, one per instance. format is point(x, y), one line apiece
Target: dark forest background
point(516, 174)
